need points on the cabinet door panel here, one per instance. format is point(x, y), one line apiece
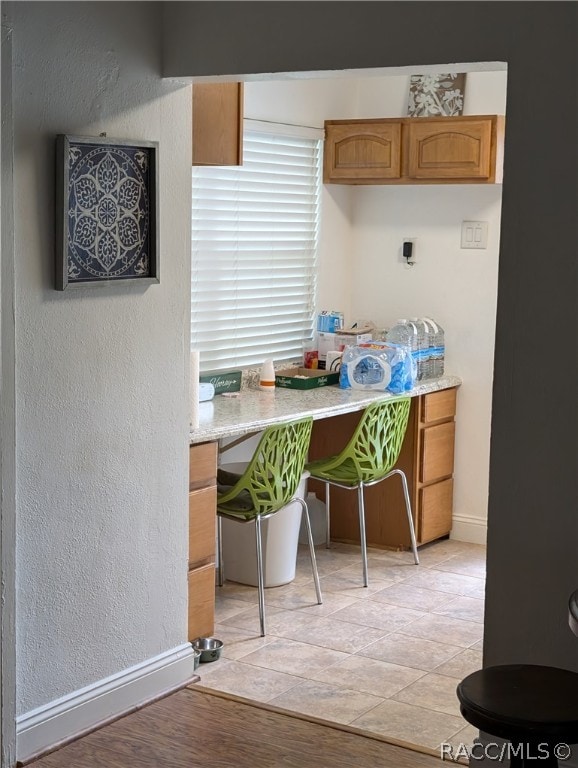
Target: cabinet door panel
point(450, 149)
point(218, 124)
point(201, 602)
point(437, 454)
point(435, 510)
point(202, 465)
point(362, 152)
point(202, 524)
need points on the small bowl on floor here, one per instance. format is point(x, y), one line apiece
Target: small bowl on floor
point(209, 647)
point(196, 658)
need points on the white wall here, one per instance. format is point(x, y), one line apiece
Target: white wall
point(484, 94)
point(102, 413)
point(456, 287)
point(360, 268)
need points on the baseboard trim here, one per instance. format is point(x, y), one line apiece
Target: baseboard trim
point(470, 529)
point(58, 722)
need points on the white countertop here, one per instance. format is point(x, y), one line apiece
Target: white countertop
point(254, 409)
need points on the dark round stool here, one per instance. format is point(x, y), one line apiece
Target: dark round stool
point(534, 708)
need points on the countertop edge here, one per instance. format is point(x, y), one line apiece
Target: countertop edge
point(220, 417)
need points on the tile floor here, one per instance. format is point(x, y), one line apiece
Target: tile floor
point(385, 659)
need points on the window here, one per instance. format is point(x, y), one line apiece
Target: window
point(254, 242)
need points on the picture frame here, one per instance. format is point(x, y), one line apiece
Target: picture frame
point(107, 212)
point(436, 95)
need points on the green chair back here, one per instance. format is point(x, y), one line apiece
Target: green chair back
point(274, 473)
point(374, 447)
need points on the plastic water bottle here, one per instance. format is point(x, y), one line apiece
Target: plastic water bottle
point(405, 333)
point(430, 340)
point(423, 351)
point(438, 348)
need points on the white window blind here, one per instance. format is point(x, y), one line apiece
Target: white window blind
point(254, 242)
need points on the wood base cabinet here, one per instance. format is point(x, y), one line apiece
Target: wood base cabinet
point(202, 532)
point(427, 458)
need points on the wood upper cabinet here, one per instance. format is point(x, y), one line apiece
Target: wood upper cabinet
point(370, 151)
point(451, 148)
point(218, 124)
point(421, 150)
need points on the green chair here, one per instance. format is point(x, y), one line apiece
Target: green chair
point(367, 459)
point(267, 485)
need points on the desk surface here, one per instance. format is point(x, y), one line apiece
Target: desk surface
point(253, 409)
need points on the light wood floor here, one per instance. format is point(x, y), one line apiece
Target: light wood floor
point(190, 728)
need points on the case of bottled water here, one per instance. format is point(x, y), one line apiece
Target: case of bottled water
point(437, 348)
point(425, 339)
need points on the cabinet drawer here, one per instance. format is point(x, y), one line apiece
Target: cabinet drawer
point(437, 452)
point(202, 465)
point(202, 601)
point(435, 510)
point(202, 517)
point(439, 405)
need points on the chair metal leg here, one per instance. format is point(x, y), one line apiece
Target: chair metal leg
point(221, 570)
point(409, 515)
point(311, 550)
point(362, 536)
point(260, 577)
point(327, 518)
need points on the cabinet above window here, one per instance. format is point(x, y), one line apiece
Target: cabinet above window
point(437, 150)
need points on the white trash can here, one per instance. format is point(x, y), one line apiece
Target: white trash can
point(280, 536)
point(318, 519)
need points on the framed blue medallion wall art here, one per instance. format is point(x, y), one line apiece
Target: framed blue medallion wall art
point(106, 211)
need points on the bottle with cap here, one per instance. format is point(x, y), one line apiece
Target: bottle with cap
point(267, 377)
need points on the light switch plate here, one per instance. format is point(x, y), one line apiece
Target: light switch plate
point(474, 234)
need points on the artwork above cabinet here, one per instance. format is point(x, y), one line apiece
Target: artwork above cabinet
point(437, 150)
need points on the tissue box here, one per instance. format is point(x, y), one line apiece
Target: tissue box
point(304, 378)
point(223, 381)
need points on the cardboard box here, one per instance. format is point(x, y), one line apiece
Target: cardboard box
point(304, 378)
point(352, 337)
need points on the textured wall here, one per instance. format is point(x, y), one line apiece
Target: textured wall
point(101, 401)
point(532, 521)
point(102, 416)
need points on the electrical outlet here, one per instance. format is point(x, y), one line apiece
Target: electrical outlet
point(408, 245)
point(474, 234)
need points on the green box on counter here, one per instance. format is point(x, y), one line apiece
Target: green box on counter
point(223, 381)
point(304, 378)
